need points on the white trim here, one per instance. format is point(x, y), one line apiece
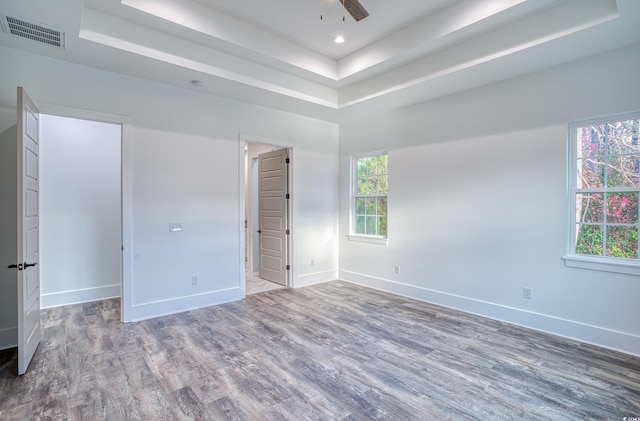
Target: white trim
point(126, 304)
point(8, 337)
point(84, 295)
point(368, 239)
point(242, 169)
point(606, 338)
point(316, 278)
point(180, 304)
point(629, 267)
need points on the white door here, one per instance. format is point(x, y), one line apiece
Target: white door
point(273, 227)
point(28, 272)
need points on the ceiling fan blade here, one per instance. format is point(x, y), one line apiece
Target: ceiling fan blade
point(355, 9)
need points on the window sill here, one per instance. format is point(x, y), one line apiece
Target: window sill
point(368, 239)
point(603, 264)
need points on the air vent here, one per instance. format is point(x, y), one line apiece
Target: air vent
point(33, 31)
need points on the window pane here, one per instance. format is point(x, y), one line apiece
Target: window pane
point(369, 197)
point(363, 164)
point(372, 182)
point(623, 137)
point(382, 206)
point(590, 173)
point(623, 171)
point(622, 242)
point(622, 208)
point(591, 141)
point(383, 164)
point(360, 205)
point(373, 169)
point(608, 168)
point(383, 187)
point(371, 225)
point(589, 208)
point(589, 240)
point(363, 187)
point(383, 226)
point(371, 206)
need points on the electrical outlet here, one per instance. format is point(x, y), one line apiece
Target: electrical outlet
point(194, 280)
point(397, 269)
point(526, 293)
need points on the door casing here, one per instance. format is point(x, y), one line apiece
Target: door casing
point(244, 167)
point(126, 192)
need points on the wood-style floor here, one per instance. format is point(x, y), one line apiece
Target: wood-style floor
point(334, 351)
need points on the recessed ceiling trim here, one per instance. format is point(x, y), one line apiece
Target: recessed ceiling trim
point(327, 97)
point(197, 17)
point(34, 31)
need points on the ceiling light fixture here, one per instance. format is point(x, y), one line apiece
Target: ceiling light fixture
point(339, 39)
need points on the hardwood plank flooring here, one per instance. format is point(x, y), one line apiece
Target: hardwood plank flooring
point(334, 351)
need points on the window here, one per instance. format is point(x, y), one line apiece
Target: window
point(369, 199)
point(605, 190)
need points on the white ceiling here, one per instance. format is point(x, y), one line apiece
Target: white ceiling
point(279, 53)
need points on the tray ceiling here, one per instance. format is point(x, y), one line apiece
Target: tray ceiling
point(282, 55)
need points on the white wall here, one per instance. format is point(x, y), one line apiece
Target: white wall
point(8, 238)
point(477, 202)
point(185, 167)
point(80, 210)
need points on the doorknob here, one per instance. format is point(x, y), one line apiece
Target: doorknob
point(259, 231)
point(28, 265)
point(18, 266)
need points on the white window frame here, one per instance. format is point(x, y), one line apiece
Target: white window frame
point(353, 180)
point(571, 259)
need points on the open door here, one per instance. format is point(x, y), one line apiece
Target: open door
point(28, 271)
point(272, 211)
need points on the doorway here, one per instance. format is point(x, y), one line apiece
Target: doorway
point(81, 210)
point(267, 217)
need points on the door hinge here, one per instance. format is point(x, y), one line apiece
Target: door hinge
point(287, 160)
point(288, 232)
point(288, 267)
point(287, 196)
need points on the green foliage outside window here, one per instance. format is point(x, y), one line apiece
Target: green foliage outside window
point(371, 189)
point(607, 189)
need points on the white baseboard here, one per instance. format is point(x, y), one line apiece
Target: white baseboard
point(64, 298)
point(315, 278)
point(8, 337)
point(606, 338)
point(177, 305)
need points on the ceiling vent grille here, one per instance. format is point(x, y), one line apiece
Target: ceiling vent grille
point(33, 31)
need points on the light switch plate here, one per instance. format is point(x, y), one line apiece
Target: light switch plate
point(175, 226)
